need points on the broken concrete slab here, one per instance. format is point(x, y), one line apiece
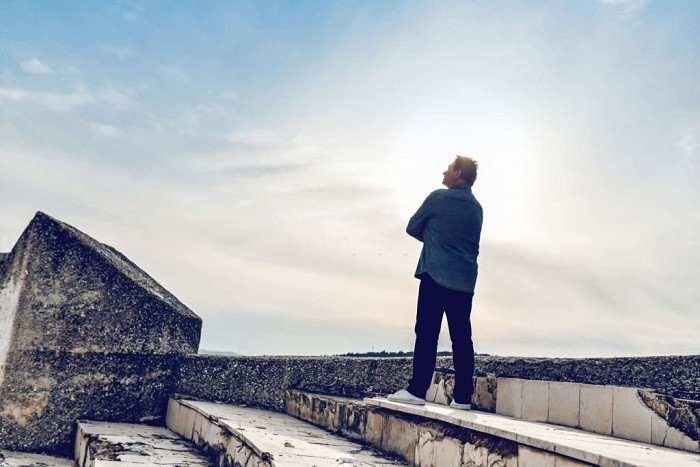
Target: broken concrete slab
point(234, 435)
point(129, 444)
point(23, 459)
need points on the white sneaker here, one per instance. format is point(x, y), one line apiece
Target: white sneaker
point(457, 405)
point(405, 397)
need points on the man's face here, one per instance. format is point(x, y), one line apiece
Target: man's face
point(451, 177)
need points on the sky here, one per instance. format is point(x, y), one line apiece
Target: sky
point(260, 160)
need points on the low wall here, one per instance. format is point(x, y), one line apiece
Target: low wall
point(46, 392)
point(262, 381)
point(677, 376)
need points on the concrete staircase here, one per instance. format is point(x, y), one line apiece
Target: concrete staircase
point(234, 435)
point(101, 444)
point(522, 424)
point(538, 444)
point(24, 459)
point(203, 434)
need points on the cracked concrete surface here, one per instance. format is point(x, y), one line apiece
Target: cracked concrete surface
point(130, 444)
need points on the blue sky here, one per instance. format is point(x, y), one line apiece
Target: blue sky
point(261, 160)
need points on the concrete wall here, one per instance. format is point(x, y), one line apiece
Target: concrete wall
point(84, 333)
point(677, 376)
point(262, 381)
point(45, 393)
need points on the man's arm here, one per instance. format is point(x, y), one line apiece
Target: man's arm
point(417, 223)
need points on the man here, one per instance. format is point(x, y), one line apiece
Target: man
point(449, 225)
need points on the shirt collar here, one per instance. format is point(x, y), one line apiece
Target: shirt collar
point(461, 186)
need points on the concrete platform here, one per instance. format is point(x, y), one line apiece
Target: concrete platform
point(244, 436)
point(23, 459)
point(551, 440)
point(101, 444)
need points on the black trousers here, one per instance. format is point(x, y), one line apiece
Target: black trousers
point(433, 301)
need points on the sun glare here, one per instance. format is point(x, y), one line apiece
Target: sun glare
point(504, 186)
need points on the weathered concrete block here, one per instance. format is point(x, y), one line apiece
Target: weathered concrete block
point(675, 422)
point(485, 391)
point(596, 404)
point(84, 333)
point(64, 291)
point(564, 403)
point(631, 418)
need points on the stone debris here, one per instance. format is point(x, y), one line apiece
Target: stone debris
point(106, 444)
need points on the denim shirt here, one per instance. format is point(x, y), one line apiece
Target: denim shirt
point(449, 225)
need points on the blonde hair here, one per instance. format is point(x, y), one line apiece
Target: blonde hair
point(469, 168)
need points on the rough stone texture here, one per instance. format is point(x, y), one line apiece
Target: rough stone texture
point(342, 415)
point(485, 393)
point(681, 414)
point(261, 381)
point(74, 294)
point(84, 333)
point(42, 400)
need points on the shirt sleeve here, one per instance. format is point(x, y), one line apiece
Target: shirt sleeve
point(418, 222)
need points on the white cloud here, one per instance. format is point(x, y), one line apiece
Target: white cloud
point(63, 102)
point(36, 67)
point(119, 51)
point(105, 129)
point(627, 5)
point(689, 144)
point(13, 94)
point(268, 213)
point(255, 137)
point(80, 96)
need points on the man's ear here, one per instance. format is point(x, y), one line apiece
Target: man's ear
point(459, 173)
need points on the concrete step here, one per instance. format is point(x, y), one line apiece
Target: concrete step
point(629, 413)
point(102, 444)
point(436, 435)
point(235, 435)
point(549, 444)
point(23, 459)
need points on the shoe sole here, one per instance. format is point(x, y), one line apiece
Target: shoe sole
point(407, 402)
point(465, 407)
